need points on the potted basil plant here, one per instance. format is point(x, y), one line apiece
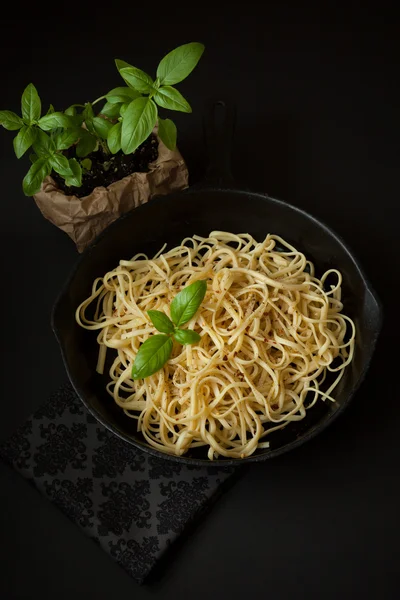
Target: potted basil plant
point(92, 162)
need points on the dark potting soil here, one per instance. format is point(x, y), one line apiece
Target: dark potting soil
point(107, 169)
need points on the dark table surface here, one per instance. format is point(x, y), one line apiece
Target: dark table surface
point(318, 125)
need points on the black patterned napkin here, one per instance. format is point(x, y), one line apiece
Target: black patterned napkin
point(132, 504)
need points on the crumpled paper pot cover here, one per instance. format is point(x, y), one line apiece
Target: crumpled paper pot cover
point(84, 218)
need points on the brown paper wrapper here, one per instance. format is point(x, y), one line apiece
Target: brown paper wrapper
point(84, 218)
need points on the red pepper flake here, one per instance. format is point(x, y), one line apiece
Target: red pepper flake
point(274, 406)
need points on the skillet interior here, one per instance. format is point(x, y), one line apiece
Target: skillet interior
point(198, 212)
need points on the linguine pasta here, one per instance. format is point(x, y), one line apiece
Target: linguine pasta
point(270, 333)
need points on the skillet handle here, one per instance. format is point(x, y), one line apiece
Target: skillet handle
point(375, 310)
point(219, 126)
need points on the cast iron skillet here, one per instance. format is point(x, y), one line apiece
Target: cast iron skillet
point(215, 205)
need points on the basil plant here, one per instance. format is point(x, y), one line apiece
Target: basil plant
point(127, 117)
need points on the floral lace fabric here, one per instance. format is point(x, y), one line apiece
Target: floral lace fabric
point(132, 504)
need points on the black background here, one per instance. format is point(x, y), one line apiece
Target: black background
point(318, 125)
